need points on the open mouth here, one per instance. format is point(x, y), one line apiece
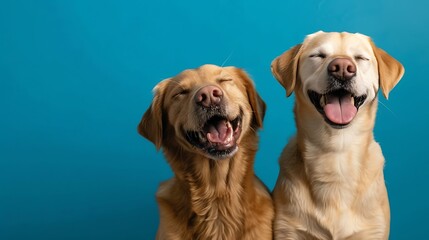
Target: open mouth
point(218, 137)
point(338, 107)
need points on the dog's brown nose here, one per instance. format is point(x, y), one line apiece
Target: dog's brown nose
point(342, 68)
point(208, 96)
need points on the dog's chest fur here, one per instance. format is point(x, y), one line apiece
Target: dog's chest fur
point(336, 190)
point(217, 211)
point(334, 182)
point(219, 201)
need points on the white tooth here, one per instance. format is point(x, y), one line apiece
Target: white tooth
point(322, 101)
point(229, 139)
point(353, 100)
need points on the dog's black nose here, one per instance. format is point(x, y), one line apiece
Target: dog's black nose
point(208, 96)
point(342, 68)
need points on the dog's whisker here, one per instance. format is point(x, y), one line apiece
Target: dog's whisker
point(226, 60)
point(251, 128)
point(384, 105)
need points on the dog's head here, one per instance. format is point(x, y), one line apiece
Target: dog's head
point(337, 73)
point(205, 110)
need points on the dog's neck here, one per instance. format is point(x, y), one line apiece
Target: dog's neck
point(335, 159)
point(215, 192)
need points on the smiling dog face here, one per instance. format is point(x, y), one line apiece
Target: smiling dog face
point(337, 73)
point(205, 111)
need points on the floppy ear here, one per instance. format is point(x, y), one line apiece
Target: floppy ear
point(390, 71)
point(151, 125)
point(285, 68)
point(258, 105)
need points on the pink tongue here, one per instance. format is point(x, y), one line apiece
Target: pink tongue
point(220, 132)
point(340, 110)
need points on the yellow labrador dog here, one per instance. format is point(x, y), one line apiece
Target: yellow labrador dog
point(206, 121)
point(331, 183)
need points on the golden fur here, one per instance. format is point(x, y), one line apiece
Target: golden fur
point(208, 198)
point(331, 183)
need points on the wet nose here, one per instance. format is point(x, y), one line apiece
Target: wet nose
point(208, 96)
point(342, 68)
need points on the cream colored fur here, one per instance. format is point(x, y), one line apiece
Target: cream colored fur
point(331, 183)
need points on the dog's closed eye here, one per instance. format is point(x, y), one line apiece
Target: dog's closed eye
point(318, 55)
point(223, 80)
point(361, 58)
point(181, 92)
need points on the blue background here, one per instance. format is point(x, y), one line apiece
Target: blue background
point(76, 77)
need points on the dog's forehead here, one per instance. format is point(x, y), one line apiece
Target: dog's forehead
point(333, 42)
point(190, 77)
point(215, 72)
point(205, 73)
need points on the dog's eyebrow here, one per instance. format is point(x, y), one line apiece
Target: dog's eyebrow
point(224, 75)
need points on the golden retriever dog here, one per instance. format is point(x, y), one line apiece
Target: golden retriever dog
point(331, 183)
point(206, 122)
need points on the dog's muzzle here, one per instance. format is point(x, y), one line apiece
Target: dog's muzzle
point(338, 107)
point(218, 137)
